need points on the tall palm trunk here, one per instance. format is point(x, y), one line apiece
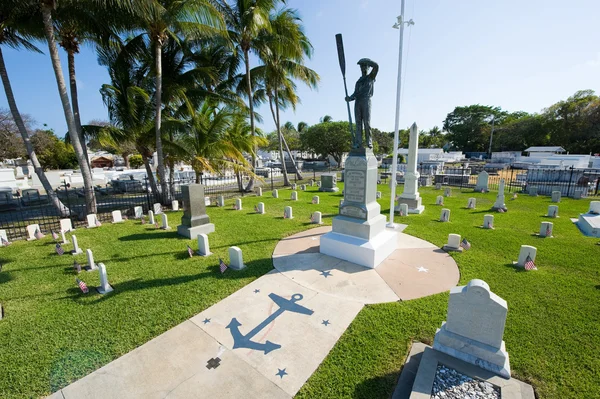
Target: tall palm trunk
point(90, 197)
point(151, 180)
point(286, 180)
point(287, 148)
point(250, 186)
point(75, 101)
point(12, 104)
point(160, 167)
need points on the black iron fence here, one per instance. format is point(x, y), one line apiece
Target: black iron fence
point(30, 207)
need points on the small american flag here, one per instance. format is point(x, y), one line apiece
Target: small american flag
point(312, 217)
point(314, 201)
point(143, 220)
point(5, 242)
point(500, 210)
point(76, 267)
point(514, 196)
point(54, 235)
point(82, 286)
point(491, 226)
point(98, 224)
point(554, 213)
point(59, 249)
point(401, 212)
point(465, 244)
point(285, 216)
point(156, 225)
point(38, 234)
point(470, 206)
point(190, 251)
point(444, 217)
point(235, 207)
point(256, 208)
point(529, 265)
point(548, 231)
point(482, 191)
point(222, 266)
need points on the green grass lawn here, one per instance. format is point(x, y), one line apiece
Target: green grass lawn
point(52, 335)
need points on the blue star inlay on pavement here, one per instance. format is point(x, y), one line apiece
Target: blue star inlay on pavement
point(281, 373)
point(326, 323)
point(256, 291)
point(326, 273)
point(206, 321)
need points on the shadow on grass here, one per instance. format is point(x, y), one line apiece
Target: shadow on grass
point(381, 386)
point(140, 237)
point(517, 269)
point(5, 277)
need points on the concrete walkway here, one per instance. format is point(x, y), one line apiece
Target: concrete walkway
point(266, 340)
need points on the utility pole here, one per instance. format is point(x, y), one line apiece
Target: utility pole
point(491, 137)
point(398, 25)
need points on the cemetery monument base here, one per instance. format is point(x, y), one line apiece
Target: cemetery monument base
point(195, 220)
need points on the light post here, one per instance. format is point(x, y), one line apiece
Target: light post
point(398, 25)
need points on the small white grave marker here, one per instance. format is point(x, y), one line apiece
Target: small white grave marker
point(319, 184)
point(76, 250)
point(175, 205)
point(445, 215)
point(105, 287)
point(207, 201)
point(594, 207)
point(438, 186)
point(3, 237)
point(90, 258)
point(259, 191)
point(533, 191)
point(303, 187)
point(453, 243)
point(92, 220)
point(238, 204)
point(203, 248)
point(378, 194)
point(117, 217)
point(471, 203)
point(260, 208)
point(138, 212)
point(66, 225)
point(294, 185)
point(488, 222)
point(275, 193)
point(221, 201)
point(294, 196)
point(439, 200)
point(316, 200)
point(316, 218)
point(157, 208)
point(403, 209)
point(64, 239)
point(556, 196)
point(31, 229)
point(552, 211)
point(287, 213)
point(447, 192)
point(151, 217)
point(526, 251)
point(165, 221)
point(546, 229)
point(236, 260)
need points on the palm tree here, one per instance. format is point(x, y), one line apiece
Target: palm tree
point(245, 20)
point(14, 34)
point(283, 51)
point(302, 126)
point(47, 6)
point(164, 20)
point(326, 118)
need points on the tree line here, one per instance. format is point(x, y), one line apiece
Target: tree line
point(181, 79)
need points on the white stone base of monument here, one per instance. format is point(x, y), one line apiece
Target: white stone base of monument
point(453, 244)
point(329, 190)
point(368, 253)
point(499, 204)
point(485, 356)
point(414, 206)
point(589, 224)
point(191, 232)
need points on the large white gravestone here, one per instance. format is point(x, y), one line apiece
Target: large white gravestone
point(552, 211)
point(236, 261)
point(482, 182)
point(90, 258)
point(165, 221)
point(474, 328)
point(66, 225)
point(203, 248)
point(410, 195)
point(76, 250)
point(31, 229)
point(105, 287)
point(138, 212)
point(499, 204)
point(194, 220)
point(117, 217)
point(359, 233)
point(594, 207)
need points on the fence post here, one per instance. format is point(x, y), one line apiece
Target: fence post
point(68, 200)
point(512, 171)
point(147, 192)
point(272, 177)
point(570, 178)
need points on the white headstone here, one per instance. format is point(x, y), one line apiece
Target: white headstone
point(340, 204)
point(138, 211)
point(157, 208)
point(91, 220)
point(66, 225)
point(287, 212)
point(319, 184)
point(403, 208)
point(175, 205)
point(378, 194)
point(488, 222)
point(294, 185)
point(151, 217)
point(553, 211)
point(438, 186)
point(447, 192)
point(64, 239)
point(312, 182)
point(577, 194)
point(556, 196)
point(445, 215)
point(316, 200)
point(90, 258)
point(165, 221)
point(203, 248)
point(236, 261)
point(499, 204)
point(453, 242)
point(275, 193)
point(316, 217)
point(221, 201)
point(294, 196)
point(76, 250)
point(117, 217)
point(439, 200)
point(471, 203)
point(526, 250)
point(532, 191)
point(474, 328)
point(260, 208)
point(594, 207)
point(546, 229)
point(259, 191)
point(207, 201)
point(482, 182)
point(3, 236)
point(238, 204)
point(31, 229)
point(105, 287)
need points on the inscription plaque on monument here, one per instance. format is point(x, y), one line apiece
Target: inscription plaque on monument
point(356, 185)
point(353, 211)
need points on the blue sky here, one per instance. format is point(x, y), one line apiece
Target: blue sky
point(517, 54)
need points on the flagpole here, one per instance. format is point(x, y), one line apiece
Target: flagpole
point(398, 25)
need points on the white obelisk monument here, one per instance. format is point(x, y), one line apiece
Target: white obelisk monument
point(411, 196)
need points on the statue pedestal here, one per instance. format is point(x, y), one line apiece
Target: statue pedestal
point(359, 234)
